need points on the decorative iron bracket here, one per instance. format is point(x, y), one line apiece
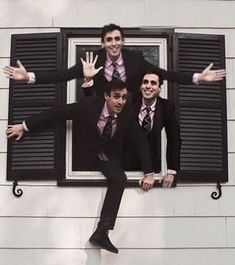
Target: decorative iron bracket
point(17, 192)
point(215, 195)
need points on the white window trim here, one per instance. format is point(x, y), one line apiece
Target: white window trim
point(71, 98)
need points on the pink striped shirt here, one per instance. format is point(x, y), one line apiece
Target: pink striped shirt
point(108, 68)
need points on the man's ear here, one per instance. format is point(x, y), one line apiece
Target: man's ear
point(105, 95)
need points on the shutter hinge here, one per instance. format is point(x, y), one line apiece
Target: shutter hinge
point(215, 195)
point(17, 192)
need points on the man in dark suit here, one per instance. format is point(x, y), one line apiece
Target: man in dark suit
point(155, 113)
point(104, 123)
point(113, 62)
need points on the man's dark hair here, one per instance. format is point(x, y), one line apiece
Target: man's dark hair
point(155, 73)
point(114, 85)
point(110, 28)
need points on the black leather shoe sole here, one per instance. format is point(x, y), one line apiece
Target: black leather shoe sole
point(94, 242)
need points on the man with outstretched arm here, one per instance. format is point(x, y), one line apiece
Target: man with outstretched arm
point(113, 62)
point(103, 125)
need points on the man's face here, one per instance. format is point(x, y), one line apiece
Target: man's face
point(116, 100)
point(150, 86)
point(113, 43)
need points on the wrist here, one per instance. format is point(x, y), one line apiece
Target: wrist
point(24, 126)
point(196, 78)
point(30, 78)
point(87, 79)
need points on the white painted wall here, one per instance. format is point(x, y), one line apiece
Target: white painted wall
point(50, 225)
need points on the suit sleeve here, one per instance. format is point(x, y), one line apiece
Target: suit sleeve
point(173, 138)
point(139, 140)
point(52, 77)
point(178, 77)
point(52, 116)
point(62, 75)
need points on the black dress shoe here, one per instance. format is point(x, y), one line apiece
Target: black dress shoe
point(102, 240)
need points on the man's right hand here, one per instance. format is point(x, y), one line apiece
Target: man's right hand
point(147, 182)
point(16, 73)
point(16, 130)
point(89, 70)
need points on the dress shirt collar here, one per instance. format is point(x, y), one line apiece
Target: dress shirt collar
point(119, 61)
point(105, 113)
point(152, 107)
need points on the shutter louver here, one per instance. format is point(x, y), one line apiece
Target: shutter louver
point(202, 110)
point(34, 157)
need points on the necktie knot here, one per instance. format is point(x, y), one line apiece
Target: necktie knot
point(148, 109)
point(116, 75)
point(110, 118)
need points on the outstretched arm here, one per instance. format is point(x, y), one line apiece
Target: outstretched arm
point(89, 71)
point(43, 119)
point(44, 76)
point(207, 75)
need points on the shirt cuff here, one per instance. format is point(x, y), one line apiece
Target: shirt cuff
point(25, 126)
point(171, 172)
point(88, 84)
point(31, 78)
point(195, 78)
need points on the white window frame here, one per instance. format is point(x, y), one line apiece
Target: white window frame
point(71, 98)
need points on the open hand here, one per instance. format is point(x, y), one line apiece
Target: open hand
point(16, 73)
point(89, 70)
point(208, 75)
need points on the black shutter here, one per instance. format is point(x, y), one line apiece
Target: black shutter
point(35, 157)
point(202, 109)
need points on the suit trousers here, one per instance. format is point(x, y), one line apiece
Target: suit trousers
point(116, 179)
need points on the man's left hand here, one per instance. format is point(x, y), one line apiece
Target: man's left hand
point(208, 75)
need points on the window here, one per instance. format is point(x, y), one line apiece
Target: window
point(154, 50)
point(201, 109)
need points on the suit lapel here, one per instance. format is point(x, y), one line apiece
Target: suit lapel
point(95, 111)
point(127, 63)
point(137, 102)
point(158, 115)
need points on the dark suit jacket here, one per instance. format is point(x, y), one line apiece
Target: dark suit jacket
point(164, 116)
point(135, 65)
point(86, 114)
